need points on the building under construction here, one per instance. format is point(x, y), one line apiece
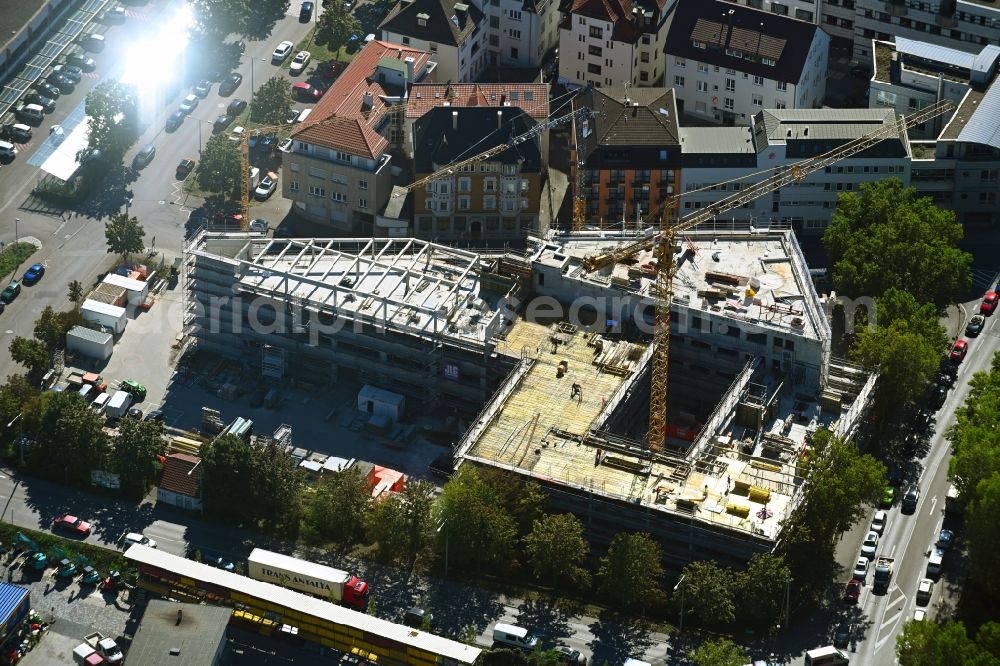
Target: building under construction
point(550, 363)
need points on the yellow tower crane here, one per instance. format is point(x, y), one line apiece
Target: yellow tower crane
point(666, 234)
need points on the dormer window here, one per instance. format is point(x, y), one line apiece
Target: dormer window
point(422, 20)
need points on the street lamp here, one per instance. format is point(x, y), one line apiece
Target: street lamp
point(447, 536)
point(20, 433)
point(251, 75)
point(680, 623)
point(17, 220)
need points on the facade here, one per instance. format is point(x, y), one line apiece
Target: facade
point(180, 484)
point(714, 159)
point(520, 33)
point(629, 153)
point(965, 25)
point(728, 62)
point(612, 42)
point(835, 16)
point(338, 172)
point(453, 32)
point(495, 199)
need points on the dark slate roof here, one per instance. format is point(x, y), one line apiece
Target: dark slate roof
point(198, 633)
point(444, 25)
point(637, 123)
point(754, 33)
point(440, 141)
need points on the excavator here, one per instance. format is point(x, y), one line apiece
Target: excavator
point(66, 568)
point(90, 575)
point(36, 556)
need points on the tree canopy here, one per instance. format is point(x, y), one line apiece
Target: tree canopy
point(272, 102)
point(984, 535)
point(475, 513)
point(631, 574)
point(32, 354)
point(932, 644)
point(69, 438)
point(111, 111)
point(719, 652)
point(556, 550)
point(337, 508)
point(975, 436)
point(124, 235)
point(401, 523)
point(135, 453)
point(335, 26)
point(886, 236)
point(708, 592)
point(219, 168)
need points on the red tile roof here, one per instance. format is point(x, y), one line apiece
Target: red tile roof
point(352, 130)
point(176, 477)
point(426, 96)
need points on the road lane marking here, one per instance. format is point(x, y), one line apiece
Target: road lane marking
point(933, 502)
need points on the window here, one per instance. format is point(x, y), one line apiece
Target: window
point(339, 197)
point(644, 76)
point(679, 81)
point(489, 203)
point(443, 187)
point(432, 46)
point(593, 69)
point(317, 191)
point(362, 184)
point(293, 186)
point(769, 62)
point(464, 184)
point(494, 21)
point(594, 50)
point(730, 72)
point(730, 85)
point(362, 203)
point(514, 14)
point(515, 34)
point(442, 206)
point(464, 203)
point(782, 86)
point(758, 100)
point(596, 32)
point(680, 62)
point(489, 184)
point(702, 67)
point(779, 104)
point(644, 57)
point(758, 80)
point(645, 40)
point(406, 40)
point(343, 157)
point(702, 86)
point(730, 104)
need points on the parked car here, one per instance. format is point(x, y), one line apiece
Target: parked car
point(989, 303)
point(203, 88)
point(945, 539)
point(268, 141)
point(69, 72)
point(888, 495)
point(975, 326)
point(236, 107)
point(306, 91)
point(293, 115)
point(910, 499)
point(137, 390)
point(114, 15)
point(184, 167)
point(58, 80)
point(305, 12)
point(47, 103)
point(924, 591)
point(842, 634)
point(189, 103)
point(72, 524)
point(10, 292)
point(861, 569)
point(852, 591)
point(82, 60)
point(870, 545)
point(144, 156)
point(568, 656)
point(133, 538)
point(174, 120)
point(229, 84)
point(33, 274)
point(285, 145)
point(282, 51)
point(878, 522)
point(959, 351)
point(221, 123)
point(265, 189)
point(260, 225)
point(49, 90)
point(17, 133)
point(299, 62)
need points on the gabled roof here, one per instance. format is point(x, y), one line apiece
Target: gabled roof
point(532, 97)
point(752, 35)
point(441, 140)
point(442, 23)
point(354, 129)
point(632, 117)
point(619, 13)
point(178, 476)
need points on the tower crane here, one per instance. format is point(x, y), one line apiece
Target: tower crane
point(662, 241)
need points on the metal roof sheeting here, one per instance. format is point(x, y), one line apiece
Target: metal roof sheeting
point(984, 125)
point(723, 140)
point(935, 53)
point(11, 597)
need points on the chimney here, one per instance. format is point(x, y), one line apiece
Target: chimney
point(410, 62)
point(499, 119)
point(461, 9)
point(454, 120)
point(368, 101)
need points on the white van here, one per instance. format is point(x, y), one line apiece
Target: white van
point(7, 150)
point(934, 562)
point(100, 402)
point(302, 116)
point(827, 656)
point(514, 636)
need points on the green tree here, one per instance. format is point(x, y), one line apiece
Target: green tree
point(631, 574)
point(336, 511)
point(886, 236)
point(275, 489)
point(48, 328)
point(124, 235)
point(219, 168)
point(226, 478)
point(719, 652)
point(984, 534)
point(708, 592)
point(556, 550)
point(32, 354)
point(477, 527)
point(931, 644)
point(760, 589)
point(975, 437)
point(75, 291)
point(217, 19)
point(401, 523)
point(69, 438)
point(335, 26)
point(988, 638)
point(135, 453)
point(272, 102)
point(110, 109)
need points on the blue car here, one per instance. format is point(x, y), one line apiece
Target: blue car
point(34, 274)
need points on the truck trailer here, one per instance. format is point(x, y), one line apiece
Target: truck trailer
point(118, 405)
point(883, 574)
point(319, 580)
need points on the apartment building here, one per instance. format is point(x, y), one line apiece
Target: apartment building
point(629, 151)
point(495, 199)
point(965, 25)
point(612, 42)
point(727, 62)
point(338, 172)
point(835, 16)
point(520, 33)
point(716, 162)
point(453, 32)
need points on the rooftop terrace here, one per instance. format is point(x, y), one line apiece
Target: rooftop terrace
point(962, 116)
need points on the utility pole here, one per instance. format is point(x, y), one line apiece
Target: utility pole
point(680, 622)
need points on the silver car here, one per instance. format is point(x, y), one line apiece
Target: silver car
point(870, 545)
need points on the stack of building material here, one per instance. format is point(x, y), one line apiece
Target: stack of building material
point(108, 293)
point(211, 421)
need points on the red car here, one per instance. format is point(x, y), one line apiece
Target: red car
point(852, 591)
point(306, 91)
point(230, 220)
point(71, 524)
point(959, 351)
point(989, 303)
point(185, 167)
point(329, 69)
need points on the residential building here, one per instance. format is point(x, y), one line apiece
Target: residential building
point(717, 162)
point(612, 42)
point(338, 170)
point(728, 62)
point(520, 33)
point(454, 32)
point(180, 483)
point(835, 16)
point(965, 25)
point(498, 198)
point(533, 98)
point(909, 76)
point(629, 151)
